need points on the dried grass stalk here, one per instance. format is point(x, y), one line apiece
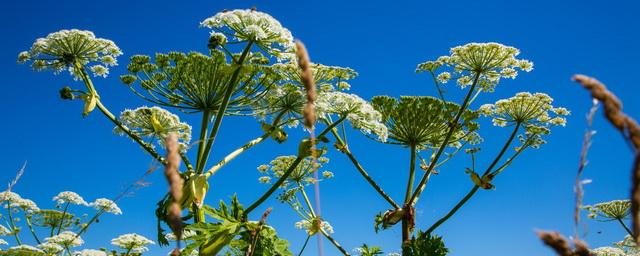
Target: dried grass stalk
point(612, 109)
point(306, 74)
point(174, 213)
point(561, 246)
point(629, 129)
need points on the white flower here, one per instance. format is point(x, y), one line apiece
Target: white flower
point(99, 70)
point(264, 179)
point(154, 122)
point(444, 77)
point(608, 251)
point(24, 250)
point(106, 205)
point(66, 48)
point(134, 242)
point(26, 205)
point(89, 252)
point(327, 174)
point(311, 226)
point(51, 247)
point(66, 239)
point(185, 235)
point(359, 112)
point(69, 197)
point(4, 231)
point(482, 63)
point(3, 242)
point(10, 197)
point(257, 27)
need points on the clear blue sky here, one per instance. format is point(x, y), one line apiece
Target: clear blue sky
point(383, 41)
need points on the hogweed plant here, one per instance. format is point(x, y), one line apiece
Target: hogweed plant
point(250, 69)
point(59, 230)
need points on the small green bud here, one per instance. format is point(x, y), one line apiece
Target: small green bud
point(128, 79)
point(66, 93)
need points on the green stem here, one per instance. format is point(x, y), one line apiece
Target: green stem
point(66, 207)
point(33, 232)
point(223, 106)
point(242, 149)
point(273, 187)
point(306, 200)
point(412, 171)
point(334, 242)
point(110, 116)
point(286, 174)
point(204, 127)
point(304, 245)
point(363, 172)
point(13, 225)
point(476, 187)
point(453, 124)
point(625, 227)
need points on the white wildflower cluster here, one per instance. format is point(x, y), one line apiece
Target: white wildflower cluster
point(63, 49)
point(482, 63)
point(3, 242)
point(154, 122)
point(51, 248)
point(24, 249)
point(133, 242)
point(185, 235)
point(313, 226)
point(89, 252)
point(15, 201)
point(254, 26)
point(69, 197)
point(106, 205)
point(533, 111)
point(358, 112)
point(612, 210)
point(66, 239)
point(608, 251)
point(301, 174)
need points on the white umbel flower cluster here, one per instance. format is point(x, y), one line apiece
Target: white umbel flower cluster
point(106, 205)
point(70, 198)
point(484, 63)
point(3, 242)
point(66, 239)
point(359, 112)
point(311, 226)
point(154, 122)
point(13, 200)
point(89, 252)
point(51, 248)
point(254, 26)
point(608, 251)
point(134, 242)
point(24, 249)
point(63, 49)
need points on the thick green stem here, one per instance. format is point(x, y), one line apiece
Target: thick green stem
point(110, 116)
point(66, 207)
point(202, 143)
point(453, 125)
point(408, 218)
point(242, 149)
point(476, 187)
point(334, 242)
point(223, 106)
point(33, 232)
point(412, 171)
point(13, 225)
point(363, 172)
